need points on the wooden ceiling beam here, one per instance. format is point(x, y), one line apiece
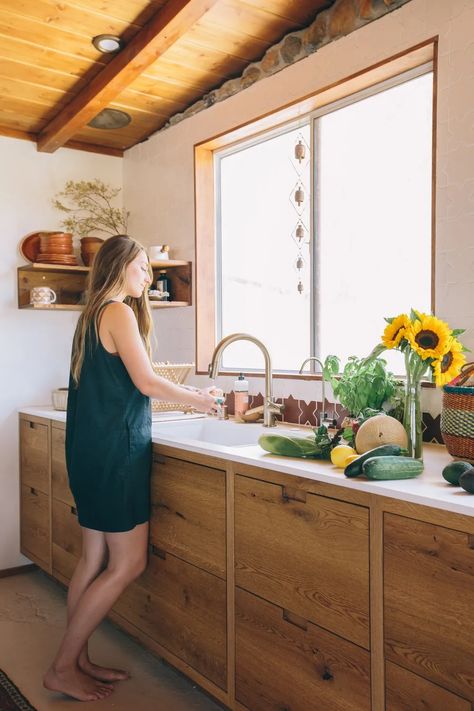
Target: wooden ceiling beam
point(160, 33)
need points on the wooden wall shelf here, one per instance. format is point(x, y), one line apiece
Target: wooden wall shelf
point(69, 284)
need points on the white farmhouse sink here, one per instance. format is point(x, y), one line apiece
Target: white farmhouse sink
point(224, 433)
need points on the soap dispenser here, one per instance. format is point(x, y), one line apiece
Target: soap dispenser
point(241, 391)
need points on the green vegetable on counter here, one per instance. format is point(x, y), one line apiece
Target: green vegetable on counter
point(392, 467)
point(315, 446)
point(453, 471)
point(355, 468)
point(467, 480)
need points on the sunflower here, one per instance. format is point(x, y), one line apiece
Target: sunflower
point(429, 336)
point(395, 331)
point(449, 365)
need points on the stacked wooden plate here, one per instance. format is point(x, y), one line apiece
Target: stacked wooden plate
point(56, 248)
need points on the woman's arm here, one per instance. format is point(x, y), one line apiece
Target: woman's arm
point(119, 322)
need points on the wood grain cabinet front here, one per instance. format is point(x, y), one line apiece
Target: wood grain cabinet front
point(306, 553)
point(285, 662)
point(66, 539)
point(59, 478)
point(429, 601)
point(35, 536)
point(34, 455)
point(188, 512)
point(182, 608)
point(406, 691)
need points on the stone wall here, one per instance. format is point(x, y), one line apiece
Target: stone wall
point(341, 18)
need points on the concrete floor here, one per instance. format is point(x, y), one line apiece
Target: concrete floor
point(32, 617)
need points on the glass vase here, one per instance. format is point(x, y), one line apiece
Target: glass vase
point(412, 418)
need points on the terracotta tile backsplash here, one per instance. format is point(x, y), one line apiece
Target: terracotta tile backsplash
point(307, 413)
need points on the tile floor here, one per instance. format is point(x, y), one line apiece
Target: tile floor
point(32, 616)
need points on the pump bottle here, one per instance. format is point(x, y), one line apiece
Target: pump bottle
point(241, 395)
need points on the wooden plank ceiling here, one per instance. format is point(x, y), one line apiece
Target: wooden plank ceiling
point(53, 81)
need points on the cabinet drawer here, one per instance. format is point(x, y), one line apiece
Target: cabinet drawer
point(34, 455)
point(406, 691)
point(67, 539)
point(34, 526)
point(428, 601)
point(188, 512)
point(59, 477)
point(183, 608)
point(285, 662)
point(309, 556)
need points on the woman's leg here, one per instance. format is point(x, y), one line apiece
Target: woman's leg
point(92, 562)
point(127, 560)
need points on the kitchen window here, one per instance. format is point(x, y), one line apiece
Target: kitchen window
point(366, 218)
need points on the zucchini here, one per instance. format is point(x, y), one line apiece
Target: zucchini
point(355, 468)
point(385, 468)
point(453, 471)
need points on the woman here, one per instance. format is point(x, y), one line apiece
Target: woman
point(108, 453)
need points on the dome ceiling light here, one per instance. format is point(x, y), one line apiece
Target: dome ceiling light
point(110, 118)
point(107, 43)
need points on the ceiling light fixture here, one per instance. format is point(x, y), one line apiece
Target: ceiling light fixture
point(107, 43)
point(110, 118)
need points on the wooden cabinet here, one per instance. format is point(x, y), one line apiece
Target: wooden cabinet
point(59, 478)
point(305, 553)
point(183, 608)
point(406, 691)
point(428, 602)
point(34, 526)
point(188, 512)
point(66, 539)
point(285, 662)
point(69, 284)
point(34, 454)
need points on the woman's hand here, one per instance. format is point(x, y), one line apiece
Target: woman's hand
point(205, 401)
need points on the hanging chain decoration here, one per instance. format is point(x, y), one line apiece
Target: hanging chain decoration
point(299, 199)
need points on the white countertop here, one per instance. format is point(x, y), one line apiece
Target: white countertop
point(429, 489)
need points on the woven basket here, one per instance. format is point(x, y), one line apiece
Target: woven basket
point(177, 373)
point(457, 416)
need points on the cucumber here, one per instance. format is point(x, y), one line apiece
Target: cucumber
point(453, 471)
point(355, 468)
point(385, 468)
point(467, 480)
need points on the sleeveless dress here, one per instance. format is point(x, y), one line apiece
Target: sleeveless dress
point(108, 443)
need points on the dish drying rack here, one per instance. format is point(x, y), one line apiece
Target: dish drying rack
point(177, 373)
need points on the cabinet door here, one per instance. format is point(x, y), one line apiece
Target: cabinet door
point(188, 512)
point(34, 526)
point(406, 691)
point(309, 555)
point(34, 455)
point(428, 602)
point(285, 662)
point(67, 539)
point(183, 608)
point(59, 478)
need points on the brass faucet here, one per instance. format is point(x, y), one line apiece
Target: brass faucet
point(322, 415)
point(270, 408)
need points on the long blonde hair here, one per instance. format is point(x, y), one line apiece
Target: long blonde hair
point(106, 280)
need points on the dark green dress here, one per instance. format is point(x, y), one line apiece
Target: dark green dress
point(108, 443)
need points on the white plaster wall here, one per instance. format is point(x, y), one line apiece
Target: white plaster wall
point(35, 345)
point(158, 174)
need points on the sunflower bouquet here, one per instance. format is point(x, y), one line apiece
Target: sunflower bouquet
point(431, 348)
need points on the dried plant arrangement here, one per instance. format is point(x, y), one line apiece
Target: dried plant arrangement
point(88, 206)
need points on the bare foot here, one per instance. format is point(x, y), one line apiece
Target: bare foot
point(102, 673)
point(73, 682)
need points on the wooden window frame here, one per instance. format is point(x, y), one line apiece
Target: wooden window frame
point(204, 182)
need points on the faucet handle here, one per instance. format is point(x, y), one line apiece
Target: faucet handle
point(276, 407)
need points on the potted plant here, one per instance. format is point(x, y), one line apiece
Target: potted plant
point(88, 207)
